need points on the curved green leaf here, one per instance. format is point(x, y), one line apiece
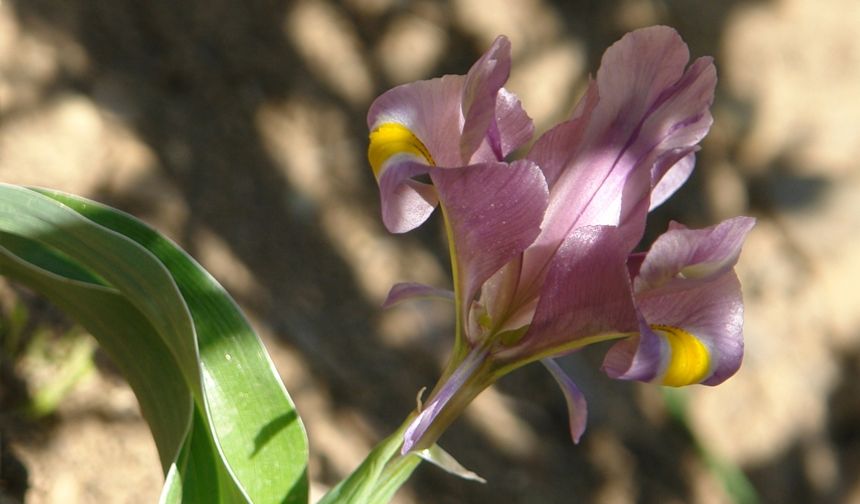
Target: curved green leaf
point(164, 398)
point(218, 411)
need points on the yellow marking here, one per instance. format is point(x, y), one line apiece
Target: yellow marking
point(389, 139)
point(689, 361)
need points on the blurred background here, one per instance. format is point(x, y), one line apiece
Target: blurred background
point(238, 129)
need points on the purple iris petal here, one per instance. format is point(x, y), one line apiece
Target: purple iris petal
point(577, 407)
point(586, 293)
point(541, 248)
point(638, 358)
point(705, 302)
point(411, 290)
point(514, 125)
point(599, 164)
point(483, 82)
point(682, 255)
point(713, 312)
point(494, 212)
point(459, 120)
point(430, 109)
point(406, 203)
point(670, 179)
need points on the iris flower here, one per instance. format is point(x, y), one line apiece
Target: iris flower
point(542, 248)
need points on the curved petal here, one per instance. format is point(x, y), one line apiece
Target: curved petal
point(515, 126)
point(681, 256)
point(461, 119)
point(586, 295)
point(577, 407)
point(635, 358)
point(410, 290)
point(493, 212)
point(483, 82)
point(430, 109)
point(667, 181)
point(698, 334)
point(648, 108)
point(690, 301)
point(406, 203)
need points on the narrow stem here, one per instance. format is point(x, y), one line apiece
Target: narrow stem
point(395, 474)
point(381, 473)
point(451, 395)
point(460, 317)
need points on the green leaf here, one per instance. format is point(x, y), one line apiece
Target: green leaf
point(224, 425)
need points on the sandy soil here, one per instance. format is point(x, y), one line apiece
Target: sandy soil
point(237, 128)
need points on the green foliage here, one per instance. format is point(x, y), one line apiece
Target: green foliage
point(380, 475)
point(225, 428)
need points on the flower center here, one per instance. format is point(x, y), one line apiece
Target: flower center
point(689, 359)
point(390, 139)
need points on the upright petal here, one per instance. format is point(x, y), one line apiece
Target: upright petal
point(483, 82)
point(493, 212)
point(668, 180)
point(650, 113)
point(514, 125)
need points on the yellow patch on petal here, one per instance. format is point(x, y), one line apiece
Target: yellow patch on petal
point(390, 139)
point(689, 360)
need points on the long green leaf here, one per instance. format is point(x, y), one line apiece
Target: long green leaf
point(241, 439)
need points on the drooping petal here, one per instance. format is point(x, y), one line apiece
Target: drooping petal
point(493, 212)
point(406, 203)
point(410, 290)
point(648, 108)
point(680, 255)
point(577, 407)
point(700, 331)
point(429, 109)
point(451, 121)
point(690, 302)
point(636, 358)
point(401, 123)
point(586, 295)
point(483, 82)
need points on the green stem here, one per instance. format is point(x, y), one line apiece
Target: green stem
point(379, 475)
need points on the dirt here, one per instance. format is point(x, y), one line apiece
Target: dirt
point(238, 129)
